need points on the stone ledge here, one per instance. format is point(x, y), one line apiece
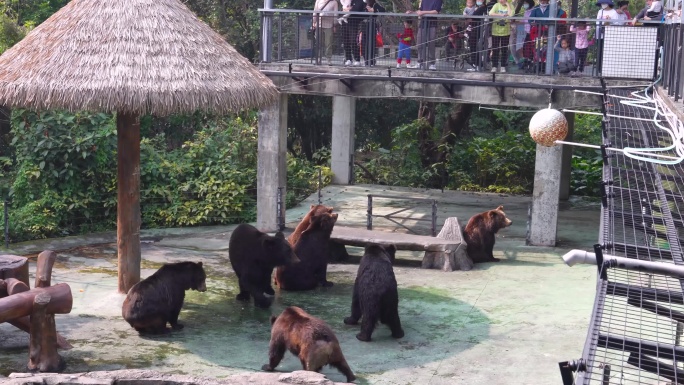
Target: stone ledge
point(150, 377)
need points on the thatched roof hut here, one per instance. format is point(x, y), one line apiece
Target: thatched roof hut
point(131, 57)
point(135, 56)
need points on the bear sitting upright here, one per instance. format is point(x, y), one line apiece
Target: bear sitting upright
point(480, 232)
point(308, 338)
point(375, 295)
point(158, 299)
point(254, 255)
point(310, 242)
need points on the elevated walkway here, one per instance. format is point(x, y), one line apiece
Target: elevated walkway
point(503, 89)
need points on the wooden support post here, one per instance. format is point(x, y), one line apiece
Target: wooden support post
point(46, 260)
point(128, 199)
point(43, 355)
point(14, 266)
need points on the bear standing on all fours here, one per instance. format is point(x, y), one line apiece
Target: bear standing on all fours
point(254, 255)
point(375, 295)
point(310, 241)
point(158, 299)
point(480, 234)
point(308, 338)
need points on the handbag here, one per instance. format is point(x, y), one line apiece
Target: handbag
point(378, 40)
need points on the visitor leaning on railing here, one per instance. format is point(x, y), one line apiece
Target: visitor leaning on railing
point(325, 26)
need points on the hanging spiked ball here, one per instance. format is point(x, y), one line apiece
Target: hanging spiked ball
point(547, 126)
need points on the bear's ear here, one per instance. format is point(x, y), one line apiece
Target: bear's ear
point(500, 208)
point(199, 264)
point(391, 250)
point(280, 235)
point(312, 207)
point(330, 209)
point(273, 319)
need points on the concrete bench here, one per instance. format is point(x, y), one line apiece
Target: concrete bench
point(446, 251)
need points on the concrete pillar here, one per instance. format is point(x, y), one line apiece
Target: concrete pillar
point(547, 171)
point(342, 152)
point(271, 163)
point(566, 168)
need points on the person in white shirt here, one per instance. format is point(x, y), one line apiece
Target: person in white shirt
point(326, 24)
point(607, 15)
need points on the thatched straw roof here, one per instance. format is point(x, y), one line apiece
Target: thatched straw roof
point(135, 56)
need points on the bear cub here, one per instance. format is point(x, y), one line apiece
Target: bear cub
point(158, 299)
point(308, 338)
point(480, 233)
point(310, 241)
point(375, 296)
point(254, 255)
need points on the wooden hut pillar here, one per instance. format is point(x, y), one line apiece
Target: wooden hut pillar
point(128, 199)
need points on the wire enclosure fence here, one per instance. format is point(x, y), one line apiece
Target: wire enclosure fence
point(673, 63)
point(462, 43)
point(637, 323)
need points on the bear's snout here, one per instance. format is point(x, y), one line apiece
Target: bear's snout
point(202, 286)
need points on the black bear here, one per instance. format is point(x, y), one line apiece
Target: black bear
point(254, 255)
point(308, 338)
point(480, 234)
point(310, 242)
point(375, 295)
point(158, 299)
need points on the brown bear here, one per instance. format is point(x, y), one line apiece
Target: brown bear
point(158, 299)
point(254, 255)
point(375, 295)
point(308, 338)
point(480, 233)
point(310, 242)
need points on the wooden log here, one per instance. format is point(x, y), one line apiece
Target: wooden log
point(46, 260)
point(43, 356)
point(456, 259)
point(20, 305)
point(11, 286)
point(24, 323)
point(14, 266)
point(128, 199)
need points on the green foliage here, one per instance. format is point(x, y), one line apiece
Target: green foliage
point(64, 178)
point(10, 32)
point(587, 164)
point(63, 168)
point(399, 166)
point(586, 175)
point(501, 163)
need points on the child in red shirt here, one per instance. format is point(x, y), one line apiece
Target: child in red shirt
point(405, 41)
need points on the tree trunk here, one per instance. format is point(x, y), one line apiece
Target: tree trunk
point(43, 355)
point(5, 127)
point(128, 199)
point(435, 153)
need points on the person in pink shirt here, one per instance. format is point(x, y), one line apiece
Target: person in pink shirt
point(582, 43)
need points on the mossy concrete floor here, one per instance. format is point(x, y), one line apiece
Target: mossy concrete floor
point(502, 323)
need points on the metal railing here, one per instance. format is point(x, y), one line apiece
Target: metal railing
point(393, 215)
point(460, 43)
point(673, 60)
